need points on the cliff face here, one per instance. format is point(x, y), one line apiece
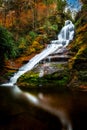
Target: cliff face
point(78, 62)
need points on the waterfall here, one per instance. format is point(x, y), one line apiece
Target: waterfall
point(64, 37)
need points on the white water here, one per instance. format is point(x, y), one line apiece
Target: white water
point(65, 36)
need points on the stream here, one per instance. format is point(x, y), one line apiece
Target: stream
point(59, 109)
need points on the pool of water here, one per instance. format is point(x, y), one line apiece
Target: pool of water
point(57, 109)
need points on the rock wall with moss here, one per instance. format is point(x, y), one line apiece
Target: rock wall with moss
point(78, 62)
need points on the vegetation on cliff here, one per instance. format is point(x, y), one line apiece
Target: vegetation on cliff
point(78, 62)
point(7, 47)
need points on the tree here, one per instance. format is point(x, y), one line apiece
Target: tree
point(60, 5)
point(33, 7)
point(47, 3)
point(7, 45)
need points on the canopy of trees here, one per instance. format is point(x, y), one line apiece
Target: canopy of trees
point(27, 20)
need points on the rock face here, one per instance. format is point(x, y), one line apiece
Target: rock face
point(78, 62)
point(57, 58)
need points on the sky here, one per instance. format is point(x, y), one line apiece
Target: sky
point(74, 4)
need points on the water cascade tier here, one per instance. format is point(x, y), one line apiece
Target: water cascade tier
point(65, 36)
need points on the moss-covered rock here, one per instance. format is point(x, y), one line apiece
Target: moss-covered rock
point(79, 49)
point(31, 79)
point(82, 76)
point(78, 62)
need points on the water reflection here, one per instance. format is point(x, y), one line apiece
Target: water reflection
point(62, 110)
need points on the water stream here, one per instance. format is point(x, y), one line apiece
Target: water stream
point(64, 37)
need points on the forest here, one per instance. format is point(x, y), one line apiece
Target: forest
point(43, 64)
point(26, 26)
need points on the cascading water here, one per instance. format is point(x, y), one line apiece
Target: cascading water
point(65, 36)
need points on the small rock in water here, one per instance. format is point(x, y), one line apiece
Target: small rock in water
point(40, 85)
point(41, 74)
